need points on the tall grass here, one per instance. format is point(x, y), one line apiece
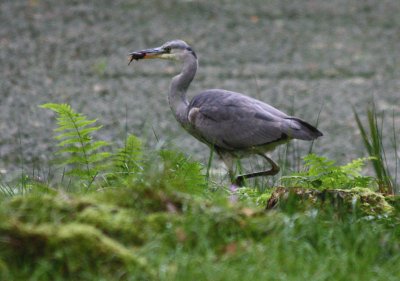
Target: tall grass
point(396, 154)
point(372, 137)
point(6, 189)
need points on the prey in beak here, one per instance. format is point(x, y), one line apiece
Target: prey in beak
point(147, 54)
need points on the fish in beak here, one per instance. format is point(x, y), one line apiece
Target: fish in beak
point(146, 54)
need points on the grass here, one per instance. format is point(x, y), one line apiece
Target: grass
point(148, 231)
point(372, 137)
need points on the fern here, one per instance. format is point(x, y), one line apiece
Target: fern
point(181, 173)
point(324, 173)
point(128, 159)
point(75, 136)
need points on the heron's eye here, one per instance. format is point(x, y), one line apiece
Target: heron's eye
point(167, 49)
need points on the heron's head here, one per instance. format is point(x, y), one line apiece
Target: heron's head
point(172, 50)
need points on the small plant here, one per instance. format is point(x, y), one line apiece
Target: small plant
point(128, 158)
point(372, 139)
point(127, 163)
point(181, 173)
point(75, 135)
point(322, 173)
point(7, 190)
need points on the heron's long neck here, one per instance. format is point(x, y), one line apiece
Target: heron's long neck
point(179, 85)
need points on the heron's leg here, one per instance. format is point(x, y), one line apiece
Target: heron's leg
point(229, 163)
point(210, 158)
point(273, 171)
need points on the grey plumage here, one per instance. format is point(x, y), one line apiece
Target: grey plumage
point(233, 124)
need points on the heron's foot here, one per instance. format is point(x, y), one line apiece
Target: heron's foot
point(239, 181)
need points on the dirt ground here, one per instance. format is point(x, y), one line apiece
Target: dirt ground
point(300, 56)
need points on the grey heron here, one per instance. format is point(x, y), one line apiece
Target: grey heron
point(230, 123)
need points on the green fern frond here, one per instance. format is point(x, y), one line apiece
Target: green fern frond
point(181, 173)
point(129, 158)
point(324, 173)
point(82, 154)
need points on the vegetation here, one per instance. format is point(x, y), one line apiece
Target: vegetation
point(322, 173)
point(130, 215)
point(75, 136)
point(372, 139)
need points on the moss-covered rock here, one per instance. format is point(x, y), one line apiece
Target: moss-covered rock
point(67, 250)
point(123, 224)
point(37, 208)
point(394, 201)
point(61, 235)
point(359, 200)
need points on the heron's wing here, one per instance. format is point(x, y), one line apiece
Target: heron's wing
point(233, 121)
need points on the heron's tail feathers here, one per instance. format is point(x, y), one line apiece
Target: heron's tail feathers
point(299, 129)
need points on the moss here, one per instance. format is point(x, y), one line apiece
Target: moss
point(63, 234)
point(4, 272)
point(157, 222)
point(123, 224)
point(359, 200)
point(394, 201)
point(72, 248)
point(38, 208)
point(144, 198)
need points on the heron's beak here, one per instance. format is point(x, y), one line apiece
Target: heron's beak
point(146, 54)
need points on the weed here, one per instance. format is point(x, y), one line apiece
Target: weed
point(372, 139)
